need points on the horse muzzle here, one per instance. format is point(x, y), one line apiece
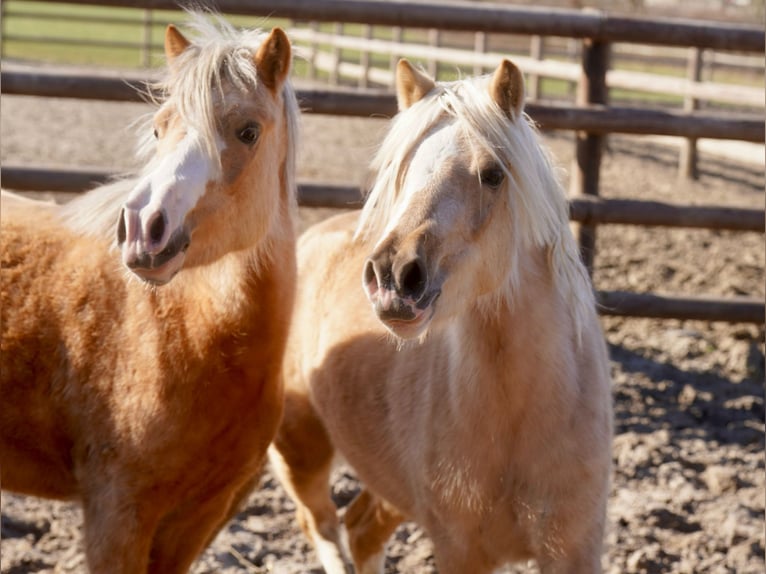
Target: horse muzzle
point(402, 301)
point(154, 257)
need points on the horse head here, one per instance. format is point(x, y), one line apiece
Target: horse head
point(211, 133)
point(442, 242)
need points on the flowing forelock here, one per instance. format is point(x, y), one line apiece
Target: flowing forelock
point(219, 56)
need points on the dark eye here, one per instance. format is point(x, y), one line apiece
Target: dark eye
point(248, 134)
point(492, 177)
point(156, 134)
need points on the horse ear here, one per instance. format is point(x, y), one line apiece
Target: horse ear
point(507, 88)
point(273, 59)
point(411, 84)
point(175, 43)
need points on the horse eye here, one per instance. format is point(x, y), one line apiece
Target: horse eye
point(492, 177)
point(248, 134)
point(156, 134)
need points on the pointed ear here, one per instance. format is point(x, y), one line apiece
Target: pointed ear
point(411, 84)
point(175, 43)
point(273, 59)
point(507, 88)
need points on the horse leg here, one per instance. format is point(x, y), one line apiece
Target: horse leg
point(237, 505)
point(583, 563)
point(185, 532)
point(581, 559)
point(118, 534)
point(370, 522)
point(301, 457)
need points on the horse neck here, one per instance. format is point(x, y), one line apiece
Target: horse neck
point(229, 292)
point(514, 347)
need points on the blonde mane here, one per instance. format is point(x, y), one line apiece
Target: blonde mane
point(219, 55)
point(536, 197)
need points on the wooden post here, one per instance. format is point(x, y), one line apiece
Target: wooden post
point(146, 48)
point(336, 54)
point(480, 47)
point(2, 29)
point(573, 53)
point(434, 38)
point(536, 52)
point(592, 89)
point(313, 50)
point(364, 58)
point(687, 162)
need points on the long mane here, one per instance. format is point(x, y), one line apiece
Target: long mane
point(219, 55)
point(536, 197)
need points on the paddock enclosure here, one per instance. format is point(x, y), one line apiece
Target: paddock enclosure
point(689, 476)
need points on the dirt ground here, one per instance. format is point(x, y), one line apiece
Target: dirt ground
point(689, 482)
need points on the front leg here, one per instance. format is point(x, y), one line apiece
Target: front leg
point(370, 522)
point(301, 457)
point(118, 531)
point(581, 558)
point(184, 533)
point(586, 563)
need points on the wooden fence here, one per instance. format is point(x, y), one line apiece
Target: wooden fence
point(373, 60)
point(591, 117)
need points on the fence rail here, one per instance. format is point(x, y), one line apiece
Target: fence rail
point(592, 117)
point(485, 17)
point(19, 79)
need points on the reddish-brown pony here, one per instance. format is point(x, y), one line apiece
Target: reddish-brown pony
point(150, 391)
point(446, 344)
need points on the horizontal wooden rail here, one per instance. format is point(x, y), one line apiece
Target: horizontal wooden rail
point(592, 210)
point(23, 80)
point(702, 308)
point(110, 44)
point(587, 210)
point(60, 82)
point(487, 17)
point(60, 16)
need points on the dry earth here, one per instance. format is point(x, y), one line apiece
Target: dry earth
point(688, 489)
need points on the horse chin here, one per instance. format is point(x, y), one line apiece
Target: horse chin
point(409, 328)
point(161, 274)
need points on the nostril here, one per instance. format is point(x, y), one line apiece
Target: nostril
point(121, 230)
point(369, 274)
point(412, 279)
point(157, 227)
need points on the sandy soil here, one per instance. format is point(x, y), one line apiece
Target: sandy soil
point(689, 482)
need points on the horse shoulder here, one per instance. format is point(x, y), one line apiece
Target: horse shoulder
point(333, 326)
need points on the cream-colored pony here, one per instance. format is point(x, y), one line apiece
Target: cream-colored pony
point(445, 342)
point(145, 382)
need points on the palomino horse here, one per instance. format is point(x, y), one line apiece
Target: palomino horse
point(486, 417)
point(154, 406)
